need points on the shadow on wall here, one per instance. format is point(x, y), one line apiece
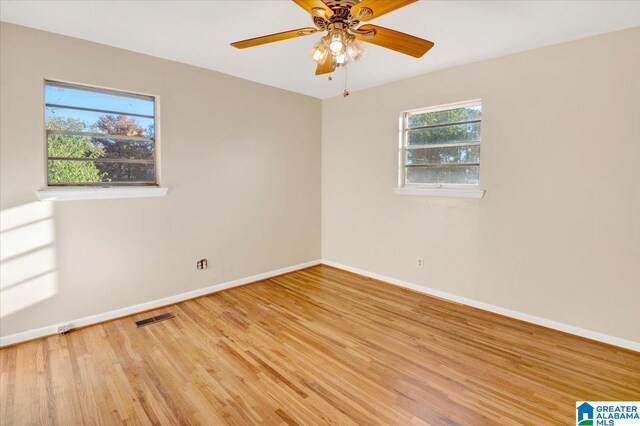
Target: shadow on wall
point(27, 256)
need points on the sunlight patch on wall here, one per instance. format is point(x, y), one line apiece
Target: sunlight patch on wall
point(29, 265)
point(27, 293)
point(24, 214)
point(24, 239)
point(27, 256)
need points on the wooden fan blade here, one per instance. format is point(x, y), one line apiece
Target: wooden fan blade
point(394, 40)
point(274, 37)
point(377, 8)
point(315, 8)
point(325, 66)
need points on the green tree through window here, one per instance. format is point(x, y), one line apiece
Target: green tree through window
point(97, 136)
point(65, 146)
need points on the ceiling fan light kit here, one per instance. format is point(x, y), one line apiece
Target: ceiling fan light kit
point(341, 19)
point(342, 46)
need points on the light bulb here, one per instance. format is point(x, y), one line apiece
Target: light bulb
point(336, 44)
point(316, 55)
point(319, 51)
point(339, 60)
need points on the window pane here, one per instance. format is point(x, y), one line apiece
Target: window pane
point(95, 99)
point(447, 116)
point(73, 172)
point(70, 172)
point(442, 135)
point(448, 155)
point(114, 146)
point(127, 172)
point(97, 122)
point(89, 147)
point(441, 175)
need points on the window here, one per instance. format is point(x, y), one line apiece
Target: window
point(98, 137)
point(440, 146)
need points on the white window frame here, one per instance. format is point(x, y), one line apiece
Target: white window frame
point(104, 190)
point(432, 189)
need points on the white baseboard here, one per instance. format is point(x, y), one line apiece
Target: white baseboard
point(593, 335)
point(131, 310)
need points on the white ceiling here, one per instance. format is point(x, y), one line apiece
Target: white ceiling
point(199, 33)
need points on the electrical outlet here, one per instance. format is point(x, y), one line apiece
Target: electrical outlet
point(420, 263)
point(201, 264)
point(65, 328)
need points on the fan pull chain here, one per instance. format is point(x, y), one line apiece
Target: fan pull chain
point(346, 77)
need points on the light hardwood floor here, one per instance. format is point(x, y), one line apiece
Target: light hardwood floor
point(311, 347)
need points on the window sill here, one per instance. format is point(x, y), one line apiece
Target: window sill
point(98, 193)
point(441, 192)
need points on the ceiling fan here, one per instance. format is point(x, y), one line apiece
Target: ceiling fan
point(341, 20)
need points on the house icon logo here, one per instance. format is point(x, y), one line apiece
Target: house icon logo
point(584, 416)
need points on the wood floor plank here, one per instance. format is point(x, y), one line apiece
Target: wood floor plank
point(317, 346)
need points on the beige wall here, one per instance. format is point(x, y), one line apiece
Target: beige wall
point(557, 234)
point(241, 161)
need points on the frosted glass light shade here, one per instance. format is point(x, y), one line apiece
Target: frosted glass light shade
point(336, 42)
